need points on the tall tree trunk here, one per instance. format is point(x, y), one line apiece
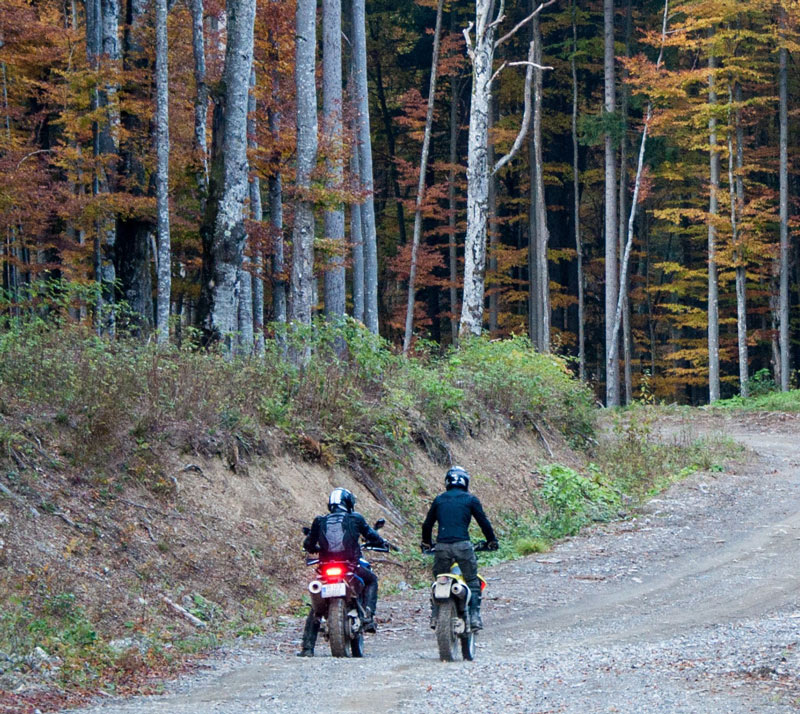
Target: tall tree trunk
point(423, 168)
point(275, 188)
point(493, 238)
point(357, 244)
point(334, 177)
point(713, 286)
point(451, 205)
point(611, 225)
point(257, 214)
point(200, 99)
point(737, 204)
point(784, 218)
point(303, 232)
point(164, 264)
point(577, 200)
point(368, 229)
point(134, 232)
point(623, 210)
point(223, 230)
point(542, 233)
point(481, 55)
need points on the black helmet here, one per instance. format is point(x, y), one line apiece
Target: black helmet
point(458, 477)
point(341, 499)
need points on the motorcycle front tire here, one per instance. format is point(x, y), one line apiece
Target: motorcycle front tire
point(446, 637)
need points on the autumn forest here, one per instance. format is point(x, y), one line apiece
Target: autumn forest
point(617, 180)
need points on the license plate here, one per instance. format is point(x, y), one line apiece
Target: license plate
point(334, 590)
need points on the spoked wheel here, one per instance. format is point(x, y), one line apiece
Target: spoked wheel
point(446, 636)
point(338, 628)
point(468, 646)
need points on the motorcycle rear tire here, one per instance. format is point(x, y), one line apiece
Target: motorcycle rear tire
point(468, 646)
point(446, 637)
point(338, 628)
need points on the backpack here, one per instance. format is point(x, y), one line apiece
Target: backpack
point(338, 536)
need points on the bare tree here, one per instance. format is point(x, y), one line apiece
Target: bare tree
point(201, 97)
point(164, 263)
point(275, 190)
point(423, 167)
point(481, 55)
point(257, 214)
point(303, 232)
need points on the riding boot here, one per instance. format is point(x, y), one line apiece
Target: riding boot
point(310, 633)
point(475, 621)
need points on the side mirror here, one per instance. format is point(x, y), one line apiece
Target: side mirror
point(306, 530)
point(380, 523)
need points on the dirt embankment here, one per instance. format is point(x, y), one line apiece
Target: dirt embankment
point(222, 542)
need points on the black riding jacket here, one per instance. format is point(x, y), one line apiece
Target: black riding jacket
point(336, 536)
point(454, 509)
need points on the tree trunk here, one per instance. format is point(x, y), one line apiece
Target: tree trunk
point(737, 203)
point(223, 231)
point(493, 301)
point(577, 201)
point(134, 232)
point(256, 214)
point(481, 55)
point(623, 210)
point(423, 168)
point(162, 176)
point(276, 205)
point(713, 287)
point(334, 176)
point(611, 225)
point(368, 230)
point(451, 206)
point(357, 246)
point(542, 233)
point(784, 219)
point(303, 232)
point(201, 99)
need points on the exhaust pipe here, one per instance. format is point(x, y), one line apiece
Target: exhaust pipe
point(315, 587)
point(458, 590)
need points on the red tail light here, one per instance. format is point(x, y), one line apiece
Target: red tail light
point(333, 571)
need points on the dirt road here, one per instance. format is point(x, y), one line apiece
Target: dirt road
point(693, 606)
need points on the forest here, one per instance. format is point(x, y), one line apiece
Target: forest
point(615, 180)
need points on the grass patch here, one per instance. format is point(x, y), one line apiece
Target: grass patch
point(770, 402)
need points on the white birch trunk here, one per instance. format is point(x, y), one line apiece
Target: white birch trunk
point(423, 167)
point(256, 214)
point(303, 233)
point(737, 204)
point(164, 262)
point(542, 233)
point(368, 229)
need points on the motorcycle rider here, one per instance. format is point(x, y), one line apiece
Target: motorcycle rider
point(336, 537)
point(454, 509)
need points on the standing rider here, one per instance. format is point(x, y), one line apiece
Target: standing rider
point(454, 509)
point(336, 537)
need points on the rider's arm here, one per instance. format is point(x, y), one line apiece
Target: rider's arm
point(311, 542)
point(427, 526)
point(483, 521)
point(370, 535)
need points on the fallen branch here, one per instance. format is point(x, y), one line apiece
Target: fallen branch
point(183, 612)
point(64, 517)
point(541, 436)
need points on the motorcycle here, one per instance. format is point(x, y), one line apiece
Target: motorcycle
point(450, 596)
point(337, 598)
